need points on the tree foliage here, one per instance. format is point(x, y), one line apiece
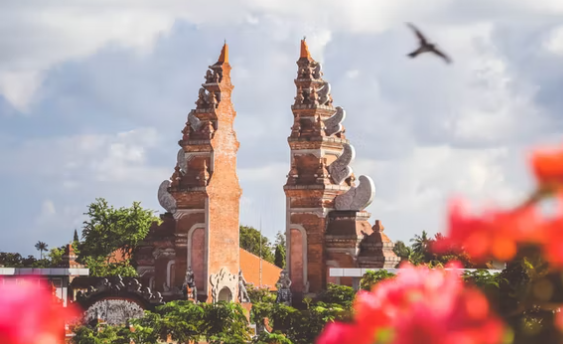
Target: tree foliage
point(373, 277)
point(280, 254)
point(41, 246)
point(255, 243)
point(180, 321)
point(109, 230)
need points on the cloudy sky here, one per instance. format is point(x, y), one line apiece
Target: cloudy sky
point(94, 93)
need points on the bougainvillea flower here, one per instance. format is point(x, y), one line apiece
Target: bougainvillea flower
point(30, 313)
point(493, 234)
point(548, 168)
point(552, 241)
point(420, 305)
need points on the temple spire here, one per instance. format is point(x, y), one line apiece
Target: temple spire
point(304, 50)
point(224, 57)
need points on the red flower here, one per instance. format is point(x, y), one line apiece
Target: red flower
point(420, 305)
point(494, 234)
point(30, 314)
point(548, 167)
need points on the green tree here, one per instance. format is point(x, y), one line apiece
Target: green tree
point(76, 238)
point(372, 277)
point(255, 243)
point(401, 250)
point(420, 243)
point(56, 255)
point(41, 246)
point(109, 229)
point(279, 254)
point(338, 294)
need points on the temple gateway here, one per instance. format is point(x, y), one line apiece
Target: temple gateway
point(196, 248)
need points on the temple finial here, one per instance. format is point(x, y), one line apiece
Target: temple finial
point(224, 57)
point(304, 50)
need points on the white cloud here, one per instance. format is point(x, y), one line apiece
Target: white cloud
point(423, 130)
point(554, 42)
point(80, 159)
point(37, 35)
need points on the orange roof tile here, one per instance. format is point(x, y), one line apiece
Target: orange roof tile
point(250, 266)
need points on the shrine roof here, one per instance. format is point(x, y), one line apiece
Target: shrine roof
point(250, 266)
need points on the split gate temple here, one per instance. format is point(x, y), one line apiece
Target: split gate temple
point(326, 225)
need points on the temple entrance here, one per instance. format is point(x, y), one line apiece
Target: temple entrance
point(225, 295)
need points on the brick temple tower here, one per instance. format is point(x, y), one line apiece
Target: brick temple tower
point(201, 226)
point(326, 225)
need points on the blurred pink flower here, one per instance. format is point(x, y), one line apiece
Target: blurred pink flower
point(31, 314)
point(419, 305)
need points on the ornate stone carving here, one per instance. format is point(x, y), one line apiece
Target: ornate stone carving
point(333, 124)
point(317, 71)
point(114, 311)
point(283, 284)
point(313, 97)
point(165, 198)
point(166, 253)
point(357, 198)
point(296, 128)
point(176, 177)
point(299, 97)
point(242, 293)
point(202, 100)
point(209, 129)
point(193, 121)
point(217, 75)
point(213, 99)
point(189, 283)
point(182, 162)
point(116, 286)
point(220, 280)
point(209, 77)
point(339, 169)
point(322, 173)
point(186, 133)
point(324, 94)
point(293, 173)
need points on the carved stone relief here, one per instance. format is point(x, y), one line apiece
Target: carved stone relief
point(333, 124)
point(323, 93)
point(357, 198)
point(221, 280)
point(165, 198)
point(166, 253)
point(339, 169)
point(114, 311)
point(317, 71)
point(182, 161)
point(193, 121)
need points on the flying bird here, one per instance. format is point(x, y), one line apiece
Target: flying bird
point(425, 46)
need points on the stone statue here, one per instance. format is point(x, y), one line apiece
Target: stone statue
point(193, 121)
point(283, 284)
point(202, 99)
point(217, 76)
point(208, 77)
point(189, 282)
point(242, 293)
